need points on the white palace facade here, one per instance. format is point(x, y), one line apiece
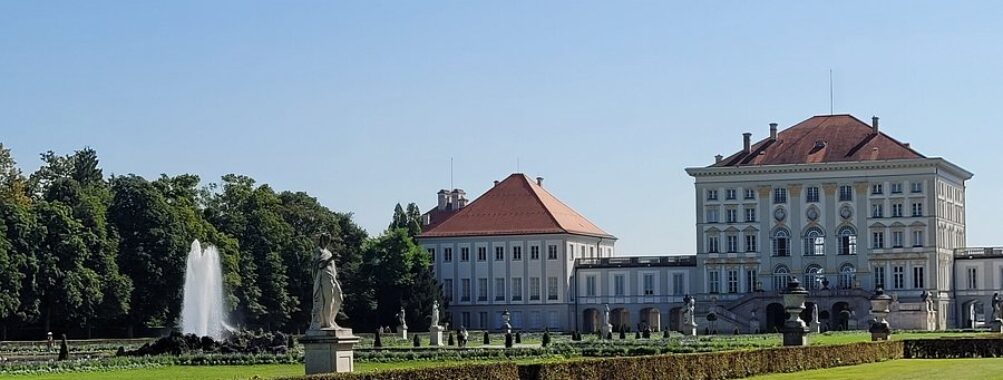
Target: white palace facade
point(832, 200)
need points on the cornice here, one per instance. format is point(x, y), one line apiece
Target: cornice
point(829, 166)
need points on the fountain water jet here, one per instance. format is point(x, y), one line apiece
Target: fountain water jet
point(202, 309)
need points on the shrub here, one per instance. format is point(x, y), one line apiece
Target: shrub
point(64, 349)
point(637, 335)
point(487, 338)
point(508, 340)
point(546, 339)
point(495, 371)
point(451, 341)
point(377, 342)
point(665, 333)
point(518, 337)
point(417, 340)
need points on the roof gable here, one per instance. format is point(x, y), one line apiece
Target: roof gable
point(515, 206)
point(820, 139)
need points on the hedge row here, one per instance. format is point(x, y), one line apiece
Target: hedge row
point(705, 366)
point(494, 371)
point(954, 348)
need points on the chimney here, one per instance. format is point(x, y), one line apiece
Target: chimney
point(459, 199)
point(874, 123)
point(496, 182)
point(718, 159)
point(773, 131)
point(747, 142)
point(539, 181)
point(443, 199)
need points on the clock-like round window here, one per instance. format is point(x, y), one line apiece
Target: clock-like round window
point(812, 213)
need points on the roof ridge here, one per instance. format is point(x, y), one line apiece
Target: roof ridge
point(536, 196)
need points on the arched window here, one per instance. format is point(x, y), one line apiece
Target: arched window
point(847, 241)
point(814, 242)
point(813, 277)
point(847, 276)
point(781, 242)
point(780, 277)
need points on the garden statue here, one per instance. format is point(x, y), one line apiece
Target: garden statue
point(607, 328)
point(507, 321)
point(327, 347)
point(997, 323)
point(814, 324)
point(327, 295)
point(689, 317)
point(400, 319)
point(435, 313)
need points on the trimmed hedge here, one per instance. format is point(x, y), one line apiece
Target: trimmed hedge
point(718, 365)
point(495, 371)
point(954, 348)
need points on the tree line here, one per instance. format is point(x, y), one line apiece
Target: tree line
point(81, 250)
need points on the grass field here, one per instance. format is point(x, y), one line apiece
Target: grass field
point(904, 369)
point(229, 372)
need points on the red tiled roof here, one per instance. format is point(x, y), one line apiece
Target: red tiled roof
point(515, 206)
point(832, 138)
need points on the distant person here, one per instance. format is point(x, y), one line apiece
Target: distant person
point(49, 341)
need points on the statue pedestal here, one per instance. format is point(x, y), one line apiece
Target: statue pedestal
point(435, 336)
point(606, 330)
point(795, 335)
point(403, 331)
point(327, 351)
point(996, 326)
point(689, 329)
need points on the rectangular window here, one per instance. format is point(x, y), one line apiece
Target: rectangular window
point(482, 289)
point(732, 215)
point(917, 238)
point(879, 277)
point(750, 215)
point(619, 288)
point(714, 282)
point(534, 288)
point(877, 210)
point(973, 280)
point(517, 288)
point(917, 187)
point(552, 288)
point(431, 255)
point(499, 253)
point(499, 289)
point(730, 194)
point(712, 215)
point(712, 244)
point(917, 278)
point(464, 254)
point(447, 255)
point(780, 195)
point(466, 318)
point(482, 253)
point(732, 243)
point(678, 284)
point(551, 252)
point(811, 194)
point(877, 189)
point(897, 210)
point(482, 319)
point(878, 240)
point(750, 243)
point(750, 280)
point(897, 240)
point(590, 286)
point(465, 290)
point(732, 281)
point(534, 252)
point(517, 253)
point(896, 188)
point(845, 193)
point(447, 289)
point(711, 195)
point(750, 194)
point(898, 277)
point(917, 209)
point(649, 284)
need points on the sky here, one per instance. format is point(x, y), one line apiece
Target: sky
point(364, 103)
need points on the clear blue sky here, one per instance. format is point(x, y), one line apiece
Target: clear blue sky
point(362, 104)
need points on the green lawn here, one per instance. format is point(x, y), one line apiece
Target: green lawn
point(904, 369)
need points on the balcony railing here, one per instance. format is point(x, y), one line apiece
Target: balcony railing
point(979, 251)
point(688, 260)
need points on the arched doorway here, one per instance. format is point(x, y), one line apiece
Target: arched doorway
point(974, 313)
point(675, 319)
point(652, 318)
point(775, 316)
point(590, 320)
point(806, 313)
point(619, 318)
point(841, 316)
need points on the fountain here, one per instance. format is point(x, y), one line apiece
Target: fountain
point(202, 309)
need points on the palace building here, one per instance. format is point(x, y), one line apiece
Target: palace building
point(832, 201)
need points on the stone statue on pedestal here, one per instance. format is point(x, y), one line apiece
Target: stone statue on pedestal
point(327, 295)
point(327, 347)
point(434, 330)
point(607, 328)
point(997, 307)
point(689, 316)
point(507, 321)
point(435, 313)
point(401, 316)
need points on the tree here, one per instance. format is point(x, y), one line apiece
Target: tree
point(390, 260)
point(23, 235)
